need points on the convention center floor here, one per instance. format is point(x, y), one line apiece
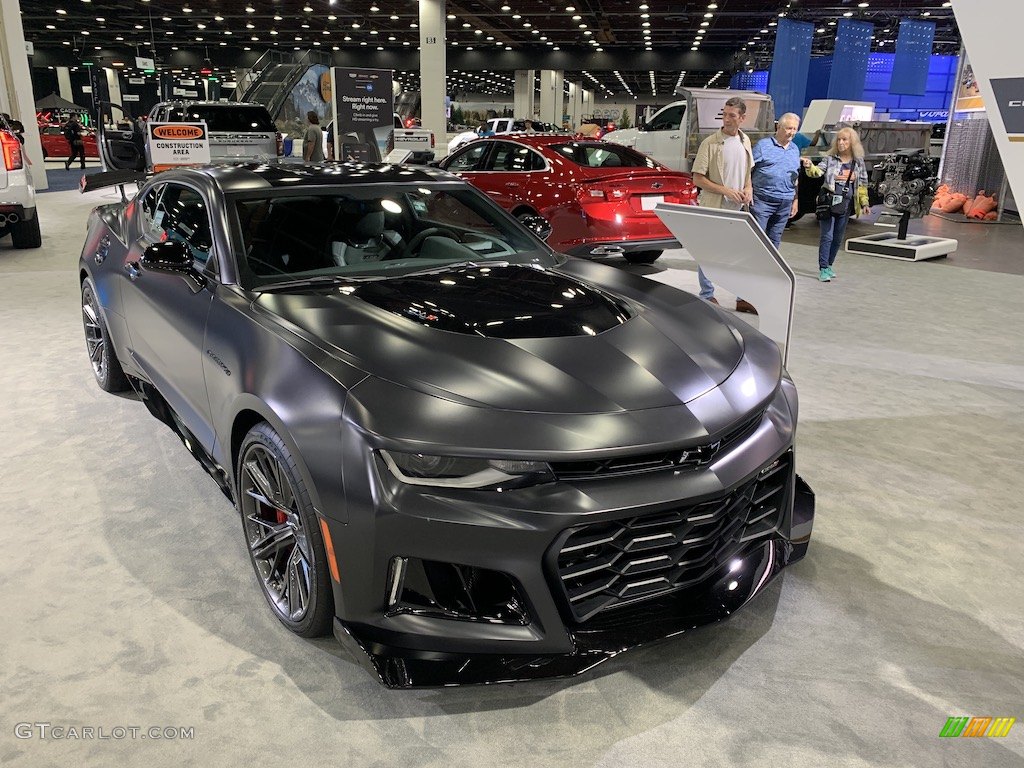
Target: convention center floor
point(129, 600)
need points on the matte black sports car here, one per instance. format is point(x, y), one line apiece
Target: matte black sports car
point(479, 459)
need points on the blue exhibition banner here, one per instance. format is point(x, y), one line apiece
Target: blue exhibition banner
point(850, 60)
point(913, 54)
point(787, 82)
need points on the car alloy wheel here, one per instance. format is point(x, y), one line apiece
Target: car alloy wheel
point(282, 533)
point(105, 365)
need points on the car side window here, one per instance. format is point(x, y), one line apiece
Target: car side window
point(514, 157)
point(182, 215)
point(669, 120)
point(149, 222)
point(469, 159)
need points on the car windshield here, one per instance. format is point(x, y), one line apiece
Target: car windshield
point(374, 232)
point(601, 155)
point(226, 117)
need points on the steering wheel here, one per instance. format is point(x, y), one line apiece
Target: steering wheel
point(419, 237)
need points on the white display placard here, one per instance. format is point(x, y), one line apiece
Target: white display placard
point(174, 144)
point(734, 253)
point(991, 32)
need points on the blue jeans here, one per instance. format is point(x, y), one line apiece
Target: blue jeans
point(772, 216)
point(832, 230)
point(707, 288)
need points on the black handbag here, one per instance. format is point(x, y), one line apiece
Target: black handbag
point(829, 203)
point(823, 204)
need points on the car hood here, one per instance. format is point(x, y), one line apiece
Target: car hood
point(577, 339)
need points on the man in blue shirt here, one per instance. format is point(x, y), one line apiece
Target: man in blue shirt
point(775, 175)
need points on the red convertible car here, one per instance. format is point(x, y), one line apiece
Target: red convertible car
point(598, 198)
point(55, 145)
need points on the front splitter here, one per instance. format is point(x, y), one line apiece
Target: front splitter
point(737, 582)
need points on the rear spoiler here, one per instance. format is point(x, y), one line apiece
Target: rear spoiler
point(103, 179)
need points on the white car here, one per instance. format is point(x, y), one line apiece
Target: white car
point(498, 125)
point(17, 195)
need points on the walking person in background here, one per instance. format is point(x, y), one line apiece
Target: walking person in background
point(722, 170)
point(775, 177)
point(313, 140)
point(844, 193)
point(73, 133)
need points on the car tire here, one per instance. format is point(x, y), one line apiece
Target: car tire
point(282, 534)
point(642, 257)
point(106, 368)
point(25, 234)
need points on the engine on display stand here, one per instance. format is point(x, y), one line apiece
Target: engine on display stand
point(906, 181)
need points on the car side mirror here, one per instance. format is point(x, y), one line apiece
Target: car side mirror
point(168, 256)
point(540, 226)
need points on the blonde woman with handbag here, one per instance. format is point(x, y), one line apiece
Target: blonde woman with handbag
point(843, 192)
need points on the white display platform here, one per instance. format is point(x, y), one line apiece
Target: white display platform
point(735, 254)
point(888, 245)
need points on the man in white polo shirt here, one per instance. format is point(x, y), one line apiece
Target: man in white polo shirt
point(722, 171)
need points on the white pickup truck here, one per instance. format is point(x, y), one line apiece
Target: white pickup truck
point(17, 195)
point(675, 131)
point(419, 141)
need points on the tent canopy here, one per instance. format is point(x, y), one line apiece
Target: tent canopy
point(53, 101)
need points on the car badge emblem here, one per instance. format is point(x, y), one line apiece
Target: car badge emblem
point(700, 455)
point(657, 185)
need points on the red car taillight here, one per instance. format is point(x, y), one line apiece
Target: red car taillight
point(432, 140)
point(280, 144)
point(599, 193)
point(13, 160)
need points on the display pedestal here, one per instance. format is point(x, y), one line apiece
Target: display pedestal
point(900, 245)
point(889, 245)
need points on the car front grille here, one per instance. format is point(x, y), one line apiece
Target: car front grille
point(692, 457)
point(610, 564)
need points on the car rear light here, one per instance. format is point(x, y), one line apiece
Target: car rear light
point(591, 194)
point(280, 144)
point(12, 151)
point(432, 140)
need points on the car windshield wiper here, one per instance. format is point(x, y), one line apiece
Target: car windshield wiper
point(455, 265)
point(318, 281)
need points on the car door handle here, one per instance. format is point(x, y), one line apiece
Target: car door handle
point(132, 268)
point(674, 136)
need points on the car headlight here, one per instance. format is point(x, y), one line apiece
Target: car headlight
point(461, 472)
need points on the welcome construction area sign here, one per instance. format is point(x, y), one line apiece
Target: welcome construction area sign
point(174, 144)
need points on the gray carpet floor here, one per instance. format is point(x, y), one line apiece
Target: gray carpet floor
point(128, 600)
